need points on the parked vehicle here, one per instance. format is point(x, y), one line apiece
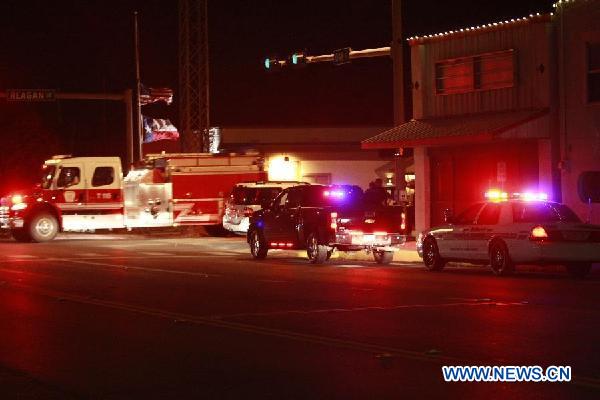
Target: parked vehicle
point(321, 219)
point(248, 197)
point(504, 231)
point(85, 193)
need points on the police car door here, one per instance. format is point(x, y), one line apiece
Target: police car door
point(484, 229)
point(456, 240)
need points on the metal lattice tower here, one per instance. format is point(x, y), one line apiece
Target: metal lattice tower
point(193, 75)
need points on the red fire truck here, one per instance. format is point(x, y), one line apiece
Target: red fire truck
point(88, 193)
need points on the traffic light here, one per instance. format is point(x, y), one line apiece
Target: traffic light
point(298, 59)
point(272, 64)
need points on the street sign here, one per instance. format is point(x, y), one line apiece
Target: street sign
point(341, 56)
point(31, 95)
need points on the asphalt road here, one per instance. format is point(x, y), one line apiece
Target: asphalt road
point(134, 317)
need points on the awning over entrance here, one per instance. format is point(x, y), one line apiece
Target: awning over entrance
point(461, 129)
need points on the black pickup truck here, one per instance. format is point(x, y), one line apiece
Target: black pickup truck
point(322, 218)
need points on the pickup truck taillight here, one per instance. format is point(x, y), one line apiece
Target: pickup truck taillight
point(403, 223)
point(333, 222)
point(538, 233)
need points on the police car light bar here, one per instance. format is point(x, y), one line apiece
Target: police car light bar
point(496, 195)
point(530, 196)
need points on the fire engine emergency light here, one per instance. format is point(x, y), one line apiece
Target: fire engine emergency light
point(16, 199)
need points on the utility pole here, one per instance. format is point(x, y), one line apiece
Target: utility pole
point(193, 75)
point(398, 63)
point(138, 86)
point(51, 95)
point(398, 87)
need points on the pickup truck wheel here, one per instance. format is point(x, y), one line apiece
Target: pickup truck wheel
point(43, 227)
point(383, 257)
point(20, 235)
point(329, 254)
point(431, 256)
point(317, 253)
point(500, 259)
point(258, 245)
point(579, 270)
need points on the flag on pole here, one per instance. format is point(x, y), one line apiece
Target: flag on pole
point(153, 95)
point(159, 129)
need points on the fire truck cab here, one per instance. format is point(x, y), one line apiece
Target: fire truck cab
point(88, 193)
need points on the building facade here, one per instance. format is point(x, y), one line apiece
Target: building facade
point(495, 106)
point(314, 155)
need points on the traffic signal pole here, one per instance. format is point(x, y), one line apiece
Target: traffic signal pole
point(352, 55)
point(345, 55)
point(126, 97)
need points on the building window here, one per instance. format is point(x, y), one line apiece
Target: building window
point(481, 72)
point(103, 176)
point(69, 176)
point(593, 72)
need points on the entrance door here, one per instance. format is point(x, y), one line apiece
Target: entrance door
point(460, 176)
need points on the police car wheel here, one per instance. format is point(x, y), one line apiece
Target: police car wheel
point(500, 259)
point(383, 257)
point(579, 270)
point(258, 245)
point(43, 227)
point(317, 253)
point(431, 256)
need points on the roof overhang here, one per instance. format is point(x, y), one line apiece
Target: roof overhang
point(457, 130)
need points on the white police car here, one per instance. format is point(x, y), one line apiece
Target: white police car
point(249, 197)
point(502, 231)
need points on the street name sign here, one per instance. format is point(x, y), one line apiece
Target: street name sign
point(31, 95)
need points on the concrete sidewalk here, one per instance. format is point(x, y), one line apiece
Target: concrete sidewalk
point(408, 253)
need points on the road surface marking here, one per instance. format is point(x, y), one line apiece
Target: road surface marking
point(368, 308)
point(369, 348)
point(24, 256)
point(146, 269)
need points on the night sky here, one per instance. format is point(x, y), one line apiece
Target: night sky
point(88, 46)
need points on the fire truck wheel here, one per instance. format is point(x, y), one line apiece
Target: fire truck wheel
point(500, 259)
point(317, 253)
point(20, 235)
point(258, 245)
point(579, 270)
point(42, 227)
point(383, 257)
point(431, 256)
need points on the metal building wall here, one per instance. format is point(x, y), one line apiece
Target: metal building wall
point(531, 41)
